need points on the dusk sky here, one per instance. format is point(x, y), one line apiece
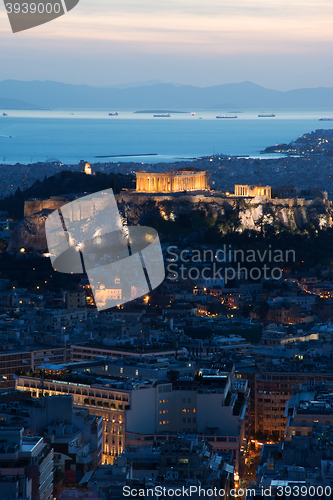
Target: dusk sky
point(278, 44)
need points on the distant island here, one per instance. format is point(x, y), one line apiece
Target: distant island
point(150, 111)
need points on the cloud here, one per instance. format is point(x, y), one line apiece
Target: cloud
point(154, 28)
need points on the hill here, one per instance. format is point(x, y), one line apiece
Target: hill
point(16, 104)
point(245, 95)
point(61, 184)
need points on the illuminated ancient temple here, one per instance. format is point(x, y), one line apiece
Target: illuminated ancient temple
point(188, 179)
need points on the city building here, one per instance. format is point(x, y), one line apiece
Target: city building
point(75, 436)
point(26, 466)
point(141, 412)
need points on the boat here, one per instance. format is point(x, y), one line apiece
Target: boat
point(162, 115)
point(115, 113)
point(326, 119)
point(4, 114)
point(193, 114)
point(266, 115)
point(226, 116)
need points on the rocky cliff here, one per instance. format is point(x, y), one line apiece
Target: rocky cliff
point(224, 213)
point(30, 233)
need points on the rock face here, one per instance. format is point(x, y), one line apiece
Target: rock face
point(252, 214)
point(30, 233)
point(287, 213)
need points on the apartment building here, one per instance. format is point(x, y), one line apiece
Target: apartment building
point(137, 412)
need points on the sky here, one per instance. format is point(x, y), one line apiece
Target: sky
point(278, 44)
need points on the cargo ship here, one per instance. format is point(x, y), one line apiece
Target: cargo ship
point(326, 119)
point(162, 115)
point(226, 116)
point(266, 115)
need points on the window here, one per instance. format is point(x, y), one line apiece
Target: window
point(136, 372)
point(188, 400)
point(184, 400)
point(184, 420)
point(188, 420)
point(121, 370)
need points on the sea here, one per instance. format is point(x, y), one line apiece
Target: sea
point(73, 135)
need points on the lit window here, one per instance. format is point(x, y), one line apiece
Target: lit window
point(121, 370)
point(136, 372)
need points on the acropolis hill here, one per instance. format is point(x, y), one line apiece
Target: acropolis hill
point(218, 209)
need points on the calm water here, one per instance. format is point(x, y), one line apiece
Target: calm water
point(27, 136)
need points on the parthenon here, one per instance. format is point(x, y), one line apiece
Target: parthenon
point(189, 179)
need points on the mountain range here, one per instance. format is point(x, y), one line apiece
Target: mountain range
point(229, 97)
